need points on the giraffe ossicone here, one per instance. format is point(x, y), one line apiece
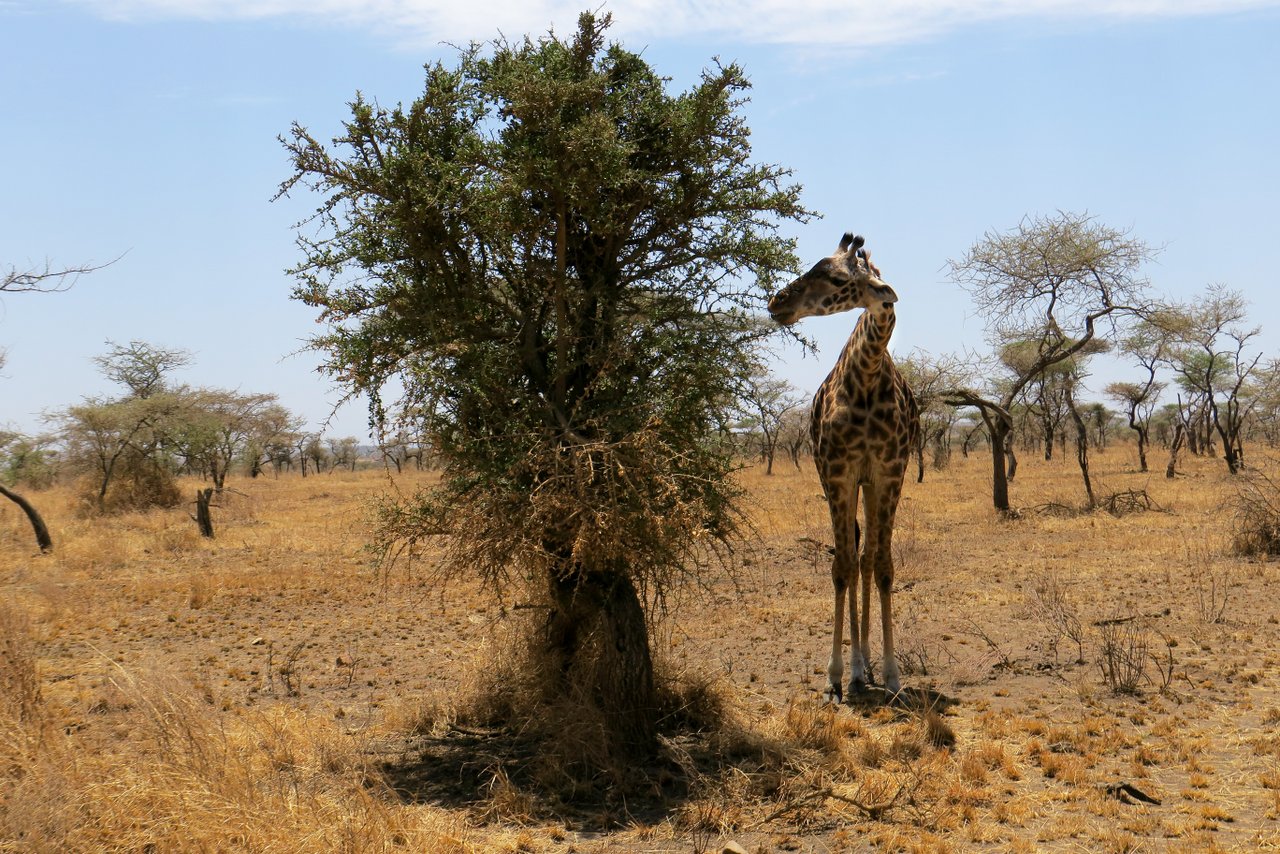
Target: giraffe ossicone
point(865, 422)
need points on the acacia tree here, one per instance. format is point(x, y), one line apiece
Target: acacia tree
point(931, 378)
point(1211, 363)
point(767, 401)
point(141, 367)
point(1148, 345)
point(554, 256)
point(794, 434)
point(1051, 282)
point(218, 426)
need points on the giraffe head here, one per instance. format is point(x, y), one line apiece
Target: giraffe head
point(843, 281)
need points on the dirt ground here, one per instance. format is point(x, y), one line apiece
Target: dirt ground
point(1116, 680)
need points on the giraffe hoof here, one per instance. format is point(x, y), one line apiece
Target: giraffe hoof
point(833, 694)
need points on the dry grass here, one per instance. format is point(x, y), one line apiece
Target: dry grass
point(163, 692)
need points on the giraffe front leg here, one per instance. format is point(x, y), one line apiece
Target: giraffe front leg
point(835, 666)
point(844, 565)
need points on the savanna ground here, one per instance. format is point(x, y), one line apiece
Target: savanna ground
point(269, 691)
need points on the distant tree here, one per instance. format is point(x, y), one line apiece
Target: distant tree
point(1267, 408)
point(28, 461)
point(125, 443)
point(123, 447)
point(217, 427)
point(1050, 282)
point(132, 445)
point(767, 400)
point(314, 450)
point(1148, 345)
point(344, 452)
point(931, 378)
point(140, 367)
point(794, 434)
point(270, 438)
point(556, 258)
point(1211, 361)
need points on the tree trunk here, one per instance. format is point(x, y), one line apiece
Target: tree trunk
point(1082, 449)
point(1142, 448)
point(999, 432)
point(43, 540)
point(203, 519)
point(1228, 446)
point(598, 638)
point(1179, 434)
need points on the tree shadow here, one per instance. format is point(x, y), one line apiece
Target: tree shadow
point(500, 774)
point(496, 774)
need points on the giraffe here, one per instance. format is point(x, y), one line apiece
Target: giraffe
point(864, 424)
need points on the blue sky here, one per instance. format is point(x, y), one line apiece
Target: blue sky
point(147, 128)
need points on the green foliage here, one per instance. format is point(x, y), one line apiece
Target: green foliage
point(26, 461)
point(555, 258)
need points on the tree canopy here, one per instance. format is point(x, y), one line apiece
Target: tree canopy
point(1045, 288)
point(554, 258)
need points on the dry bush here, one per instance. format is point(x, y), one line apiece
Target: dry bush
point(1255, 529)
point(1047, 601)
point(1212, 584)
point(1128, 501)
point(1124, 650)
point(137, 483)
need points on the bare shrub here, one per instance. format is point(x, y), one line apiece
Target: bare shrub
point(1123, 653)
point(1255, 529)
point(1211, 597)
point(1047, 601)
point(921, 650)
point(1211, 582)
point(1129, 501)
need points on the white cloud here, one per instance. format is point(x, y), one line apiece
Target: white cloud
point(827, 23)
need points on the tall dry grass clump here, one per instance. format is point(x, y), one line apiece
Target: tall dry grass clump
point(20, 695)
point(157, 768)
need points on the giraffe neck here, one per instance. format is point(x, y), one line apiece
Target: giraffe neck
point(861, 365)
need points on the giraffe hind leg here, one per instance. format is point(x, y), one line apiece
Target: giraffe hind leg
point(883, 568)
